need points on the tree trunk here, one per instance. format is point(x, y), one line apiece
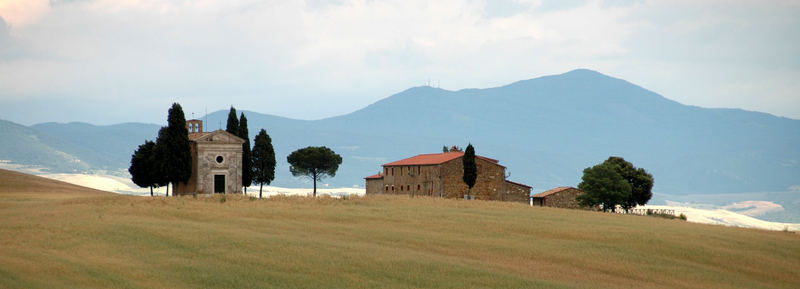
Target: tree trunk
point(259, 190)
point(167, 195)
point(315, 183)
point(151, 191)
point(245, 190)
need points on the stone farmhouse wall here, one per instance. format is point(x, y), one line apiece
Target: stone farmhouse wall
point(488, 185)
point(516, 193)
point(418, 180)
point(374, 186)
point(445, 180)
point(566, 198)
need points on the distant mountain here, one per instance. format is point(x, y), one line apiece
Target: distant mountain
point(103, 147)
point(23, 145)
point(545, 130)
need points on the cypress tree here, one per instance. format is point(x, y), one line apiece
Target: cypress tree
point(247, 161)
point(470, 168)
point(263, 160)
point(173, 147)
point(233, 123)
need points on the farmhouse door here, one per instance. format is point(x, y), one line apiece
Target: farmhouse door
point(219, 184)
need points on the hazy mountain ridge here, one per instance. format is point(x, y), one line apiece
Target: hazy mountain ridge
point(546, 130)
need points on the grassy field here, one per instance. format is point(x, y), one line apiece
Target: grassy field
point(54, 235)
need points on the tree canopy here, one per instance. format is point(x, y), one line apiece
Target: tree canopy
point(263, 169)
point(173, 149)
point(315, 163)
point(233, 123)
point(143, 169)
point(615, 182)
point(470, 167)
point(640, 180)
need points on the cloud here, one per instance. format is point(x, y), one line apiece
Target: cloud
point(19, 13)
point(332, 57)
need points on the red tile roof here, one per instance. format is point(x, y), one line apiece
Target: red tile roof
point(378, 176)
point(432, 159)
point(553, 191)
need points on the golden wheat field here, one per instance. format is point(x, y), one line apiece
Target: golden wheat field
point(56, 235)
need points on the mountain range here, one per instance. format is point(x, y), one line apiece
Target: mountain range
point(545, 130)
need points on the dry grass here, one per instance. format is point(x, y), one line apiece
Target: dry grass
point(89, 239)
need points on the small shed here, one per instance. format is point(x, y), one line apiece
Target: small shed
point(561, 197)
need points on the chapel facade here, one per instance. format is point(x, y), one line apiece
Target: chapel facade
point(216, 162)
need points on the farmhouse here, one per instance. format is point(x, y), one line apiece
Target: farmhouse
point(441, 174)
point(561, 197)
point(216, 162)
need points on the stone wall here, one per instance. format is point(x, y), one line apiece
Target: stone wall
point(374, 186)
point(230, 167)
point(516, 193)
point(445, 180)
point(216, 153)
point(412, 180)
point(566, 198)
point(488, 185)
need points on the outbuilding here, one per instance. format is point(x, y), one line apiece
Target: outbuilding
point(561, 197)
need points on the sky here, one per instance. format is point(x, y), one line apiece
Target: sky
point(114, 61)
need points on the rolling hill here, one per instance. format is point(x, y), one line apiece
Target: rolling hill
point(546, 130)
point(84, 239)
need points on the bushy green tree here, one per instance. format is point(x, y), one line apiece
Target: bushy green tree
point(247, 161)
point(470, 168)
point(144, 167)
point(604, 186)
point(315, 163)
point(263, 170)
point(640, 180)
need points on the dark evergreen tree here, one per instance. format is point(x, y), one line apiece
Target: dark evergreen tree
point(444, 149)
point(143, 166)
point(263, 170)
point(315, 163)
point(233, 123)
point(161, 166)
point(173, 147)
point(603, 186)
point(247, 161)
point(470, 168)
